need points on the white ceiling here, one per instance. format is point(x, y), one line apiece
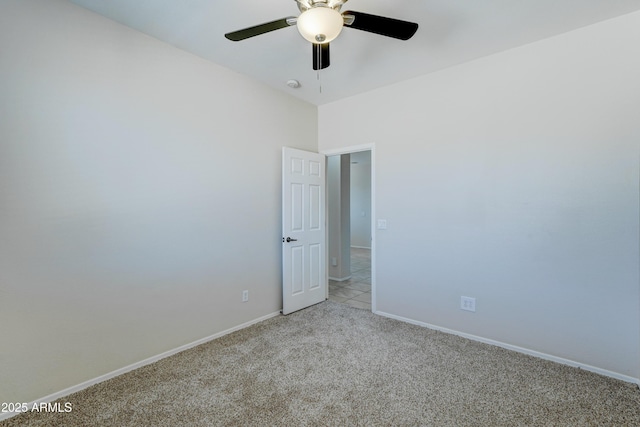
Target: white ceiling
point(451, 32)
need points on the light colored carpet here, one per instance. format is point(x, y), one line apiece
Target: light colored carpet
point(334, 365)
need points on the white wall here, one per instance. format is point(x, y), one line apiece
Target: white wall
point(338, 206)
point(139, 195)
point(361, 201)
point(513, 179)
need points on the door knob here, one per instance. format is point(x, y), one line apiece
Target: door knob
point(289, 239)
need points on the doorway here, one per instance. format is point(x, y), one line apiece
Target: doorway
point(350, 231)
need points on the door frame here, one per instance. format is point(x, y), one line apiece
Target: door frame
point(348, 150)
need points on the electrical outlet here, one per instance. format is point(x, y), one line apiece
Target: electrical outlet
point(468, 304)
point(245, 296)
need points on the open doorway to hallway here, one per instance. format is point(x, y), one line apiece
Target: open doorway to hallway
point(355, 291)
point(349, 195)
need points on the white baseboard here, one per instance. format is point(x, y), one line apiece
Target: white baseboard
point(150, 360)
point(340, 280)
point(523, 350)
point(361, 247)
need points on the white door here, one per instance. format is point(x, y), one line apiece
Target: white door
point(303, 228)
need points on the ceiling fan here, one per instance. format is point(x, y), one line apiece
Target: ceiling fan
point(321, 22)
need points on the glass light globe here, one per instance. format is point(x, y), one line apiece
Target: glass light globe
point(320, 24)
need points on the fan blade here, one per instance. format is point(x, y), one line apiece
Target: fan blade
point(261, 29)
point(389, 27)
point(320, 56)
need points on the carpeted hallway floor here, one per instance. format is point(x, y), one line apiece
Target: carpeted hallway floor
point(335, 365)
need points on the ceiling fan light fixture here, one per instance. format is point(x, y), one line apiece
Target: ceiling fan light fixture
point(320, 24)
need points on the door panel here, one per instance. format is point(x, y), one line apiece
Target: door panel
point(315, 265)
point(314, 208)
point(297, 270)
point(297, 207)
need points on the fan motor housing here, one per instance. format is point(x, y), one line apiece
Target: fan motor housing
point(310, 4)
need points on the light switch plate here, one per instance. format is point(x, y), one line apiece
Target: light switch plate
point(382, 224)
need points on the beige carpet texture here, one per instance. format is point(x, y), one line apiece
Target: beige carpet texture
point(334, 365)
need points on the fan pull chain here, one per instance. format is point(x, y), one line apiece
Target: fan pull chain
point(319, 81)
